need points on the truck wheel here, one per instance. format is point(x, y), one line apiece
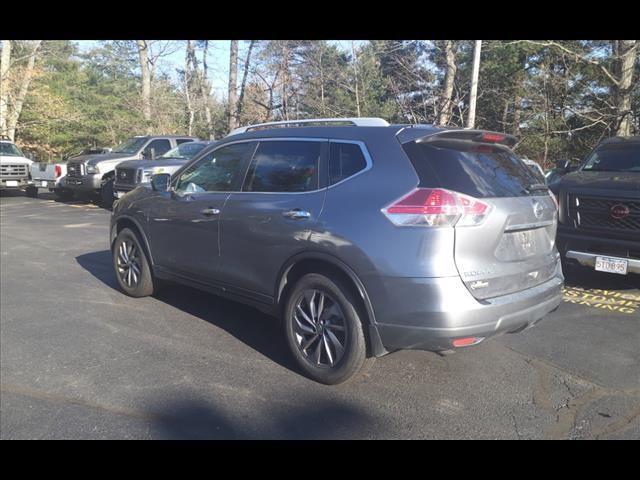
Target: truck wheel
point(132, 265)
point(324, 330)
point(32, 191)
point(106, 194)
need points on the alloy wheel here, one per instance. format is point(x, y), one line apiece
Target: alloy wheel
point(128, 261)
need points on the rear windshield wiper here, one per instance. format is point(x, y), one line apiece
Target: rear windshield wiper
point(536, 187)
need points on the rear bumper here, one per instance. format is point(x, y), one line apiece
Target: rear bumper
point(589, 260)
point(428, 314)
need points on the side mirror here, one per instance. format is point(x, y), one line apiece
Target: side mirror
point(149, 153)
point(160, 182)
point(563, 165)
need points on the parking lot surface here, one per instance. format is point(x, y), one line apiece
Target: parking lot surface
point(81, 360)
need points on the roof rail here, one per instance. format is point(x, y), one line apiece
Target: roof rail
point(355, 121)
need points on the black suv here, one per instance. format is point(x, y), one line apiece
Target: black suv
point(599, 216)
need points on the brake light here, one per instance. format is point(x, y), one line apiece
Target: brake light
point(436, 207)
point(492, 137)
point(58, 170)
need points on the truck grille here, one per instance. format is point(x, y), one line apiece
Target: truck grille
point(74, 170)
point(13, 171)
point(596, 212)
point(127, 175)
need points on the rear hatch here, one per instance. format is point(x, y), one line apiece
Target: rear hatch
point(513, 248)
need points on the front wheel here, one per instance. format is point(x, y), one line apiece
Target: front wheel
point(131, 265)
point(324, 330)
point(32, 191)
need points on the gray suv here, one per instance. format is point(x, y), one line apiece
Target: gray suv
point(92, 175)
point(363, 237)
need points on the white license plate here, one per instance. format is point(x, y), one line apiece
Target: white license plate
point(44, 183)
point(611, 265)
point(120, 194)
point(12, 183)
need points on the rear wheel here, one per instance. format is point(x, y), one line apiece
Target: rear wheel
point(32, 191)
point(324, 330)
point(131, 265)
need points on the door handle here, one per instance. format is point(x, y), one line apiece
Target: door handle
point(296, 214)
point(208, 212)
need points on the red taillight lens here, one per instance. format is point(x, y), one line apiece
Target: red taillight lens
point(436, 207)
point(467, 341)
point(492, 137)
point(58, 170)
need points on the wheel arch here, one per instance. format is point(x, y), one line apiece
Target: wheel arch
point(318, 262)
point(133, 224)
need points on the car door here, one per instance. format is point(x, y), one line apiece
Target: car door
point(184, 222)
point(270, 219)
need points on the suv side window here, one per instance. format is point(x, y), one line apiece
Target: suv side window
point(161, 145)
point(180, 141)
point(218, 171)
point(345, 160)
point(284, 166)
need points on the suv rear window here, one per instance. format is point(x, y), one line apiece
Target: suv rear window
point(481, 171)
point(614, 158)
point(345, 160)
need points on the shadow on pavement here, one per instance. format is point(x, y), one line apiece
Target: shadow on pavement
point(252, 327)
point(310, 419)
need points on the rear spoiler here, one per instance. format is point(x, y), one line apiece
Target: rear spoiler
point(479, 136)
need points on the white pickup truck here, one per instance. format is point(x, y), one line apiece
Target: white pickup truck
point(48, 175)
point(14, 166)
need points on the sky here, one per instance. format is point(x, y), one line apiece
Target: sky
point(217, 60)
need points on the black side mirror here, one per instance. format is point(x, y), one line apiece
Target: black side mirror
point(160, 182)
point(563, 165)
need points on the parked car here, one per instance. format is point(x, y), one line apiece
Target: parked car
point(49, 176)
point(363, 237)
point(562, 168)
point(14, 166)
point(599, 225)
point(93, 174)
point(133, 173)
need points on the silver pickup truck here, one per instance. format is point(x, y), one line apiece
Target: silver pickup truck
point(93, 175)
point(134, 173)
point(49, 176)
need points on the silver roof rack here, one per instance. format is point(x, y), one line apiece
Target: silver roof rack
point(356, 121)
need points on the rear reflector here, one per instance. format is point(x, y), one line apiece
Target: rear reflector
point(436, 207)
point(467, 341)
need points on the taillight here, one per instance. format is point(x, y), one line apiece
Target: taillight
point(58, 170)
point(437, 207)
point(492, 137)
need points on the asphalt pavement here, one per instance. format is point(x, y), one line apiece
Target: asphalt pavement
point(79, 359)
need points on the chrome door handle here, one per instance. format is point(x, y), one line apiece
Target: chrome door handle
point(296, 214)
point(209, 211)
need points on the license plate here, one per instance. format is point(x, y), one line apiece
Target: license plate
point(44, 183)
point(611, 265)
point(75, 182)
point(12, 183)
point(120, 194)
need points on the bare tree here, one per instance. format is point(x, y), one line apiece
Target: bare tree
point(244, 79)
point(233, 79)
point(471, 119)
point(143, 52)
point(187, 80)
point(446, 98)
point(5, 59)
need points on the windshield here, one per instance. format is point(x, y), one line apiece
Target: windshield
point(184, 150)
point(10, 150)
point(131, 146)
point(619, 158)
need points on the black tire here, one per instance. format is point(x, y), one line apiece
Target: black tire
point(32, 191)
point(141, 283)
point(353, 358)
point(106, 194)
point(63, 194)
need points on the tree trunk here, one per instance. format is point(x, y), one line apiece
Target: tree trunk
point(471, 119)
point(446, 99)
point(233, 76)
point(628, 51)
point(244, 79)
point(355, 73)
point(145, 74)
point(5, 58)
point(204, 93)
point(187, 79)
point(22, 94)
